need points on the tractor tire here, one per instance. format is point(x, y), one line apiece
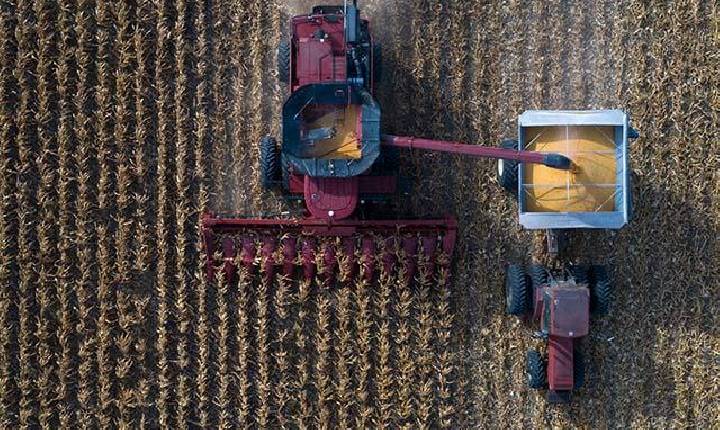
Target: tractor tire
point(377, 64)
point(535, 370)
point(578, 370)
point(269, 163)
point(507, 174)
point(517, 293)
point(284, 53)
point(581, 274)
point(600, 291)
point(538, 275)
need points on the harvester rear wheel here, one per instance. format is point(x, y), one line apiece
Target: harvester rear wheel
point(507, 174)
point(600, 291)
point(269, 162)
point(516, 290)
point(535, 370)
point(283, 61)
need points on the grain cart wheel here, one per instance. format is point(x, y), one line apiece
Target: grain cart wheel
point(600, 291)
point(269, 162)
point(516, 290)
point(507, 174)
point(535, 370)
point(283, 61)
point(581, 274)
point(578, 370)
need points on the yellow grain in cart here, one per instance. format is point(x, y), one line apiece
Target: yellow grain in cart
point(590, 186)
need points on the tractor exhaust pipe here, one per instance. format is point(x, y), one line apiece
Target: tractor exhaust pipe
point(556, 161)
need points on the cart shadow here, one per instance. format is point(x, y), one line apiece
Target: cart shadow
point(663, 308)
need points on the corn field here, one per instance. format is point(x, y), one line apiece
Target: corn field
point(122, 122)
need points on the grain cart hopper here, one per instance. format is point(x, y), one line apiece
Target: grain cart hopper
point(595, 193)
point(333, 157)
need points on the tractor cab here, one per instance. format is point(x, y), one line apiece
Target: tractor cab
point(564, 309)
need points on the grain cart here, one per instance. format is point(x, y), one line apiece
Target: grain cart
point(594, 193)
point(333, 158)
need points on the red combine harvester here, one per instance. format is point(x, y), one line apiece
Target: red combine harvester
point(333, 157)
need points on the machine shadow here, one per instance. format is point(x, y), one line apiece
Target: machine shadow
point(663, 305)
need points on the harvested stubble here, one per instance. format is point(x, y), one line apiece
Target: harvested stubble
point(325, 275)
point(120, 123)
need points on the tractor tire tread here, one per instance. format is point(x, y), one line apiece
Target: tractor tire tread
point(538, 275)
point(535, 369)
point(578, 370)
point(600, 291)
point(581, 273)
point(516, 288)
point(283, 61)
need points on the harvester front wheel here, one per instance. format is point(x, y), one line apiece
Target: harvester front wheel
point(269, 162)
point(535, 370)
point(283, 61)
point(516, 290)
point(507, 174)
point(600, 291)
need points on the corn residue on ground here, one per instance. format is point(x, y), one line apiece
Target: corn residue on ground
point(121, 123)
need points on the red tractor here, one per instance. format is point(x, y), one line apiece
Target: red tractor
point(561, 301)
